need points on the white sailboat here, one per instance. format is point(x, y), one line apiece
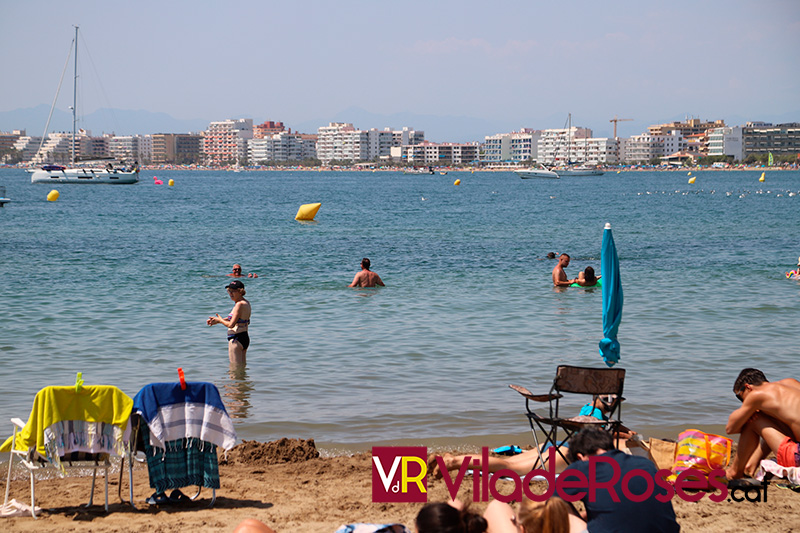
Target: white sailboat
point(568, 169)
point(105, 173)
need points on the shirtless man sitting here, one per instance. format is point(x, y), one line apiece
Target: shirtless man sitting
point(366, 278)
point(768, 420)
point(559, 276)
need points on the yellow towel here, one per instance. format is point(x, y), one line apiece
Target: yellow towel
point(95, 403)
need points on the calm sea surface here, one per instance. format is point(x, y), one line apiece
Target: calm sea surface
point(117, 282)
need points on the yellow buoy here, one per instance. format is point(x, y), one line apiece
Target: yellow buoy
point(53, 195)
point(689, 173)
point(618, 171)
point(457, 182)
point(762, 177)
point(307, 211)
point(691, 180)
point(171, 182)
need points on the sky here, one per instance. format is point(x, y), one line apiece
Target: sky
point(510, 64)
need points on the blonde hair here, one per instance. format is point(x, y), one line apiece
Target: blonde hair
point(549, 516)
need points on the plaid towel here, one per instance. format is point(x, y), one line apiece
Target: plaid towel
point(181, 463)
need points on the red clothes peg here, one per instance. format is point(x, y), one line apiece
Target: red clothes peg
point(182, 378)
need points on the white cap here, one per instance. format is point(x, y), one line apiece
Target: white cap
point(608, 226)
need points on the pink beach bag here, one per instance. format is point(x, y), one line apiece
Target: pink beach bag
point(700, 451)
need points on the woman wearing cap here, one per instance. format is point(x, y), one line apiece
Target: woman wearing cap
point(236, 322)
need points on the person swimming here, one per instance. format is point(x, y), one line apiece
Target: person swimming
point(587, 278)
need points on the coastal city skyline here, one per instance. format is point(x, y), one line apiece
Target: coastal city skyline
point(457, 74)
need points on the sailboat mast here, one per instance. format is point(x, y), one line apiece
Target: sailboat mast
point(75, 97)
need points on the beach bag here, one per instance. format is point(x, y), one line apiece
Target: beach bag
point(700, 451)
point(662, 453)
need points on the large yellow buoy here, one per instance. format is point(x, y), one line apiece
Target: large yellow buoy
point(457, 182)
point(53, 195)
point(171, 182)
point(691, 180)
point(762, 177)
point(307, 211)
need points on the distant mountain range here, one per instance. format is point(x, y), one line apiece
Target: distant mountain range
point(437, 128)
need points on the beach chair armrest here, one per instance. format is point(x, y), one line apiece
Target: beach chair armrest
point(535, 397)
point(18, 422)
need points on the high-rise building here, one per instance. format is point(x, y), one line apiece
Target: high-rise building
point(340, 141)
point(781, 139)
point(225, 142)
point(281, 147)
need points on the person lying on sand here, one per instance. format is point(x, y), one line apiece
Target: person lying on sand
point(499, 517)
point(768, 420)
point(528, 460)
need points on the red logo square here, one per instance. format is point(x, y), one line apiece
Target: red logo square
point(400, 474)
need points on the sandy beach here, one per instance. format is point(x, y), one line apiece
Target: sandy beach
point(286, 486)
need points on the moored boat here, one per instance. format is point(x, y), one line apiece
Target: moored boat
point(83, 173)
point(537, 172)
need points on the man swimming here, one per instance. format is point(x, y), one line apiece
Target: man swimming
point(559, 275)
point(366, 278)
point(768, 420)
point(236, 272)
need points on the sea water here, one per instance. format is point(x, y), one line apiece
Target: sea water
point(117, 282)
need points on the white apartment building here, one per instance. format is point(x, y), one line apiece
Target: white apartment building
point(57, 148)
point(642, 148)
point(407, 136)
point(28, 145)
point(556, 147)
point(341, 141)
point(282, 146)
point(496, 148)
point(130, 148)
point(428, 153)
point(525, 145)
point(379, 144)
point(516, 146)
point(225, 142)
point(595, 151)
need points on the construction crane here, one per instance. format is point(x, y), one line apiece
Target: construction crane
point(615, 120)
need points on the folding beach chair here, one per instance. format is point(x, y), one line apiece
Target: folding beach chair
point(76, 428)
point(181, 426)
point(605, 383)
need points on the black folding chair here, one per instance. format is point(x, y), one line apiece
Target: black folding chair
point(603, 383)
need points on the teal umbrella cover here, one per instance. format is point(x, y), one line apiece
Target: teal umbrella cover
point(612, 298)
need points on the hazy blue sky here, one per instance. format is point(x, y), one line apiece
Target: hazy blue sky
point(521, 63)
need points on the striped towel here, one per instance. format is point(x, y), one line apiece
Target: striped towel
point(172, 413)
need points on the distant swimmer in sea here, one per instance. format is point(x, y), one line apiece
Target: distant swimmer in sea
point(236, 272)
point(237, 323)
point(559, 275)
point(551, 255)
point(587, 278)
point(366, 278)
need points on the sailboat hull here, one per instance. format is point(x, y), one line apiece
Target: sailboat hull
point(85, 175)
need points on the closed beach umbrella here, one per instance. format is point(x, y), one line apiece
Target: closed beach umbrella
point(612, 298)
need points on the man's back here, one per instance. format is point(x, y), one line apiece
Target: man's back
point(781, 400)
point(367, 278)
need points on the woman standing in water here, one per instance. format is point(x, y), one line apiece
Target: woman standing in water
point(236, 322)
